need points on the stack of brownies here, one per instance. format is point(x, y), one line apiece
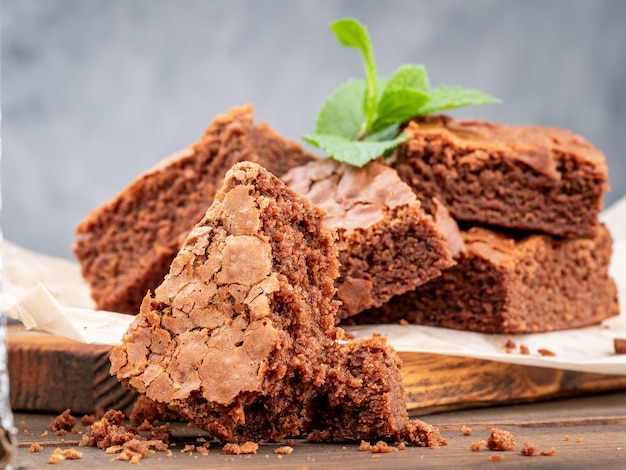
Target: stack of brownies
point(527, 200)
point(238, 278)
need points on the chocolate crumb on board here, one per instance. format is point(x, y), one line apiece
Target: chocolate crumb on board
point(68, 454)
point(421, 434)
point(35, 447)
point(237, 449)
point(283, 450)
point(620, 345)
point(566, 437)
point(364, 446)
point(500, 440)
point(202, 450)
point(547, 453)
point(528, 448)
point(381, 447)
point(523, 349)
point(109, 434)
point(496, 457)
point(475, 446)
point(579, 439)
point(546, 352)
point(509, 346)
point(290, 442)
point(64, 422)
point(466, 431)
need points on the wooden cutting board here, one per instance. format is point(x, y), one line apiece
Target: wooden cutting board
point(50, 373)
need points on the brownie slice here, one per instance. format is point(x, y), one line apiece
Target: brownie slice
point(523, 178)
point(241, 332)
point(504, 284)
point(125, 247)
point(387, 244)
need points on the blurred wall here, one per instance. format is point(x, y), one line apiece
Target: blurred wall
point(94, 92)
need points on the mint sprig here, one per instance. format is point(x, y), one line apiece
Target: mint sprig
point(361, 120)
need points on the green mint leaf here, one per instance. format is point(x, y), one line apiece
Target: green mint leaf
point(342, 113)
point(351, 33)
point(355, 153)
point(406, 91)
point(387, 133)
point(443, 98)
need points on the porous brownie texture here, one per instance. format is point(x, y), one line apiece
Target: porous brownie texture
point(363, 399)
point(524, 178)
point(503, 284)
point(125, 246)
point(241, 332)
point(387, 244)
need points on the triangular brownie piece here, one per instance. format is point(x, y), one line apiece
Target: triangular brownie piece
point(241, 332)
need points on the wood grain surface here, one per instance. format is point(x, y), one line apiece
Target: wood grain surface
point(49, 373)
point(586, 432)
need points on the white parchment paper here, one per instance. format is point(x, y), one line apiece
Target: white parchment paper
point(66, 310)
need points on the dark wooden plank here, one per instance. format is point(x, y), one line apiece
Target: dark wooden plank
point(434, 382)
point(50, 373)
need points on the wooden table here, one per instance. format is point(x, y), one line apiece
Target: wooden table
point(596, 426)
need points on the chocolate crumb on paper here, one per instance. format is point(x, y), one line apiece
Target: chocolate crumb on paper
point(620, 345)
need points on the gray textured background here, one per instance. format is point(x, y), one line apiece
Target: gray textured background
point(94, 92)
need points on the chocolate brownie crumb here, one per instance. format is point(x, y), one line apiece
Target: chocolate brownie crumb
point(579, 439)
point(496, 458)
point(466, 431)
point(285, 450)
point(500, 440)
point(402, 446)
point(419, 433)
point(109, 434)
point(202, 450)
point(68, 454)
point(64, 422)
point(188, 448)
point(509, 346)
point(523, 349)
point(546, 352)
point(35, 447)
point(290, 442)
point(528, 448)
point(566, 437)
point(60, 432)
point(237, 449)
point(620, 345)
point(56, 456)
point(381, 447)
point(475, 446)
point(364, 446)
point(547, 453)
